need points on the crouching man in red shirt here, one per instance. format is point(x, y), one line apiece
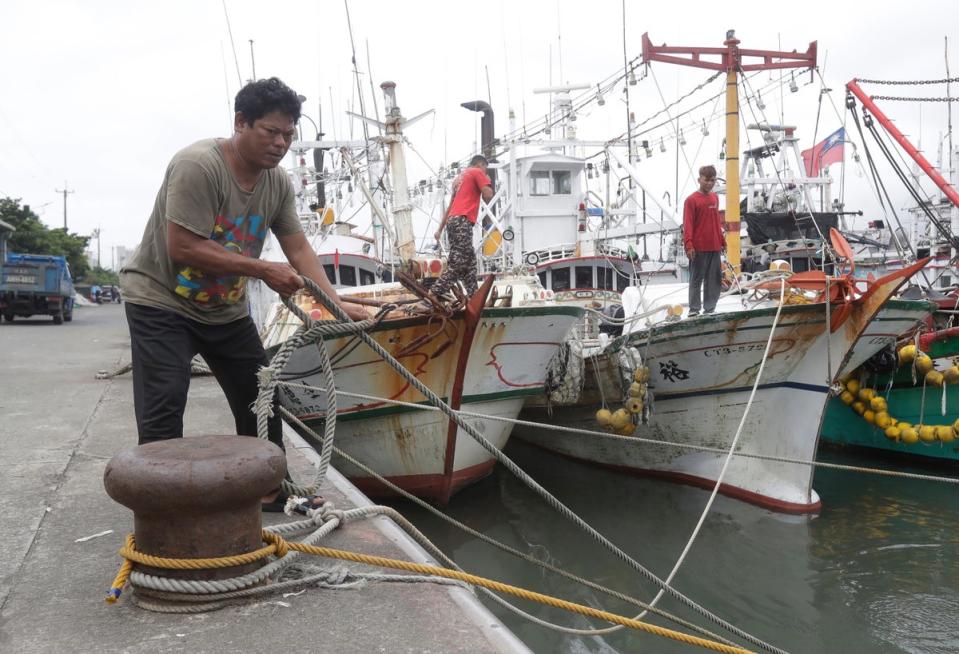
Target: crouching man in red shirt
point(704, 242)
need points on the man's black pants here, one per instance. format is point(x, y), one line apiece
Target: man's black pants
point(164, 343)
point(706, 273)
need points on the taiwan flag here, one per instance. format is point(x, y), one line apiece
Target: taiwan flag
point(828, 151)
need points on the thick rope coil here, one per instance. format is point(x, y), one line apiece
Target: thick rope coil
point(279, 546)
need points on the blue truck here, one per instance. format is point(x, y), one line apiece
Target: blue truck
point(36, 284)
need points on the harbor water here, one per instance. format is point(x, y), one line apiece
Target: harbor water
point(875, 571)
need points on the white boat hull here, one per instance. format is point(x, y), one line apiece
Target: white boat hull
point(701, 373)
point(491, 370)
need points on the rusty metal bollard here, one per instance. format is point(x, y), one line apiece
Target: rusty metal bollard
point(197, 497)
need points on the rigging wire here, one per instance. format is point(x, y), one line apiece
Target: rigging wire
point(827, 249)
point(239, 79)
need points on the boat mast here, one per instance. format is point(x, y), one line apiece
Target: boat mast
point(732, 62)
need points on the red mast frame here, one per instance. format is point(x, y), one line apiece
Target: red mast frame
point(901, 139)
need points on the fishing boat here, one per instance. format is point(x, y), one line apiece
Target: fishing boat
point(915, 419)
point(702, 370)
point(485, 355)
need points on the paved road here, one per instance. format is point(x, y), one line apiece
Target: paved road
point(60, 426)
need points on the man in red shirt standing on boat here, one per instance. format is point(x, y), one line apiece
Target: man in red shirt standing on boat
point(458, 221)
point(704, 243)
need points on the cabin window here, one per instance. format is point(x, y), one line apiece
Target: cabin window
point(622, 282)
point(387, 275)
point(366, 277)
point(584, 277)
point(539, 182)
point(562, 182)
point(347, 276)
point(330, 271)
point(561, 279)
point(604, 278)
point(542, 278)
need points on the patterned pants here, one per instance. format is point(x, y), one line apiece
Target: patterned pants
point(461, 265)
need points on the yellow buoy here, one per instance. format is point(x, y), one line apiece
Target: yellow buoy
point(877, 404)
point(882, 420)
point(641, 374)
point(951, 375)
point(866, 394)
point(634, 405)
point(869, 416)
point(892, 433)
point(859, 407)
point(847, 397)
point(619, 419)
point(907, 354)
point(923, 363)
point(903, 425)
point(927, 433)
point(944, 433)
point(627, 429)
point(934, 378)
point(603, 416)
point(908, 436)
point(852, 386)
point(635, 389)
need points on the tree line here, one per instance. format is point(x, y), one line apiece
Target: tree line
point(33, 237)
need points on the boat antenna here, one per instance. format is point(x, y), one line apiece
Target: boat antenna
point(356, 72)
point(948, 104)
point(229, 30)
point(626, 71)
point(226, 87)
point(489, 93)
point(369, 70)
point(252, 60)
point(509, 102)
point(559, 43)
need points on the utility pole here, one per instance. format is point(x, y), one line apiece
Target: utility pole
point(65, 192)
point(96, 234)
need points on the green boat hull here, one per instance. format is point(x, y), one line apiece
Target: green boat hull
point(843, 426)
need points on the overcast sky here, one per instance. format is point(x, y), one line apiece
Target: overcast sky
point(97, 96)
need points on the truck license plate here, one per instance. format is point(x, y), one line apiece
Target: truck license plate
point(21, 279)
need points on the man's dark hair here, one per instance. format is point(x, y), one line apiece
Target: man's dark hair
point(259, 98)
point(478, 158)
point(709, 172)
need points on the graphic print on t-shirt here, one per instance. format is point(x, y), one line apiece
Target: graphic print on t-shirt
point(242, 235)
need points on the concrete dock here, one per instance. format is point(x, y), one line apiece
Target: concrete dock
point(58, 428)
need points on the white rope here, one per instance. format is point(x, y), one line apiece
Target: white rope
point(636, 439)
point(514, 552)
point(512, 467)
point(729, 455)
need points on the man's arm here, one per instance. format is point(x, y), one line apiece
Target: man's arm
point(688, 229)
point(299, 253)
point(188, 249)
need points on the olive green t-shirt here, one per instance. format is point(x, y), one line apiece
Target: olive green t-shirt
point(200, 194)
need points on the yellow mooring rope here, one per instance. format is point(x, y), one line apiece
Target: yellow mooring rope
point(280, 547)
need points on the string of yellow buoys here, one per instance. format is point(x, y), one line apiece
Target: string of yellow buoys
point(875, 410)
point(623, 421)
